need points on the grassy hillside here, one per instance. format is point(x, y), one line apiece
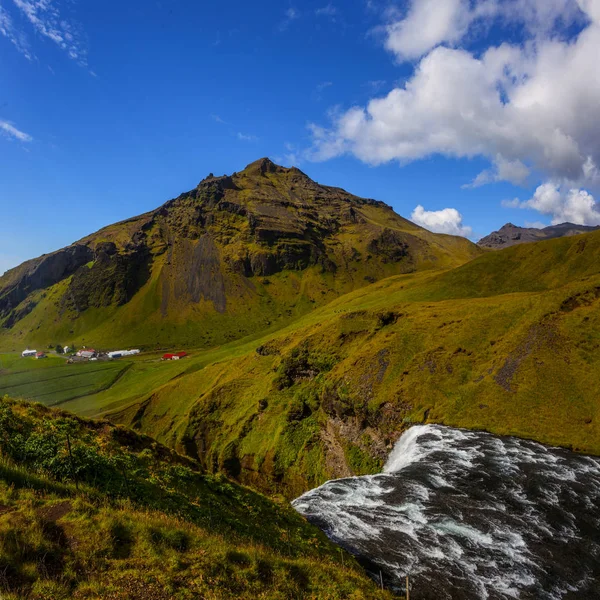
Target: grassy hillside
point(328, 395)
point(237, 256)
point(93, 511)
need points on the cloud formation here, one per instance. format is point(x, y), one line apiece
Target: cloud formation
point(244, 137)
point(291, 14)
point(429, 23)
point(447, 220)
point(329, 10)
point(17, 38)
point(533, 106)
point(49, 21)
point(9, 130)
point(563, 205)
point(502, 170)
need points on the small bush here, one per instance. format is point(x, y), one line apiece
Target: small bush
point(175, 539)
point(236, 557)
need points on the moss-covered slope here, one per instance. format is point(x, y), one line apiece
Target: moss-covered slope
point(237, 255)
point(93, 511)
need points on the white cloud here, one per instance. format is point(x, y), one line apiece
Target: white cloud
point(529, 106)
point(429, 23)
point(514, 203)
point(17, 38)
point(375, 85)
point(535, 224)
point(291, 14)
point(325, 84)
point(563, 205)
point(317, 94)
point(328, 10)
point(11, 131)
point(246, 137)
point(47, 20)
point(513, 171)
point(447, 220)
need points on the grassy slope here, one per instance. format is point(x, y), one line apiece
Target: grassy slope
point(520, 362)
point(508, 342)
point(143, 523)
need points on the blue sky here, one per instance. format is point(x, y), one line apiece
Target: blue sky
point(108, 109)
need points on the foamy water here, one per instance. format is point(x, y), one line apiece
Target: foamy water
point(471, 515)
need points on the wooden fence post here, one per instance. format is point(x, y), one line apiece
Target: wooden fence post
point(407, 589)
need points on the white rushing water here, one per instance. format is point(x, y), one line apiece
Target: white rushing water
point(471, 515)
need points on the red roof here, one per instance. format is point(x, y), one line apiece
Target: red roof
point(171, 356)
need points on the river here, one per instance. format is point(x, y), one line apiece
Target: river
point(470, 515)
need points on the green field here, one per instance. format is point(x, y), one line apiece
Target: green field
point(52, 381)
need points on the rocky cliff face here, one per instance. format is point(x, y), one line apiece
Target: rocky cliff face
point(510, 235)
point(40, 273)
point(215, 254)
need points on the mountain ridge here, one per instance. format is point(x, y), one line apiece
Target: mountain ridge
point(509, 235)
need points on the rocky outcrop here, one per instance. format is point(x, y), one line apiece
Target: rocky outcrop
point(39, 274)
point(112, 278)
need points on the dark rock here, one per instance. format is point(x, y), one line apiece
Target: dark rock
point(42, 273)
point(390, 245)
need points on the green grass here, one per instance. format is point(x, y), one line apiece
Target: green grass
point(52, 381)
point(127, 518)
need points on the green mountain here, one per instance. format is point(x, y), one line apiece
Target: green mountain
point(236, 256)
point(93, 511)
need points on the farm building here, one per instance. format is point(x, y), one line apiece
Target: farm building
point(26, 353)
point(86, 353)
point(121, 353)
point(176, 356)
point(39, 355)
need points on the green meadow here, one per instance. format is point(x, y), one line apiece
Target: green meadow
point(52, 380)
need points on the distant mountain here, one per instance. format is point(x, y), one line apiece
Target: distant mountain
point(236, 255)
point(510, 235)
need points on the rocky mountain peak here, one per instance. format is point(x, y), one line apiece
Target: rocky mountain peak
point(510, 235)
point(263, 166)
